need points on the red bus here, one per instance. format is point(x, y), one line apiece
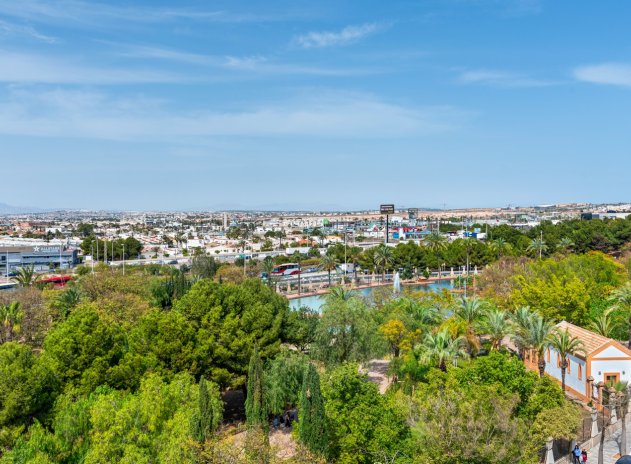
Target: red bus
point(286, 269)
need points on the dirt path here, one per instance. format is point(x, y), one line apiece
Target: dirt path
point(377, 370)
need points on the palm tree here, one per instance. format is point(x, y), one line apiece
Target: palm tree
point(565, 245)
point(441, 348)
point(536, 336)
point(384, 258)
point(537, 246)
point(604, 324)
point(11, 316)
point(621, 297)
point(435, 241)
point(353, 254)
point(328, 263)
point(501, 246)
point(26, 276)
point(469, 312)
point(340, 293)
point(522, 317)
point(67, 300)
point(497, 324)
point(565, 345)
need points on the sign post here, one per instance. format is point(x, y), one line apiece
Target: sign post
point(387, 209)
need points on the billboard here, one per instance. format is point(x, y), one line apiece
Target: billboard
point(386, 209)
point(412, 212)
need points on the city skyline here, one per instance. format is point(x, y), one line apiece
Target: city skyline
point(294, 105)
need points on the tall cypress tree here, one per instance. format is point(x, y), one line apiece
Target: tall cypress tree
point(312, 430)
point(255, 413)
point(205, 424)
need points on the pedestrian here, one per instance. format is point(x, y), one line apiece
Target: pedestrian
point(276, 422)
point(287, 420)
point(576, 454)
point(584, 455)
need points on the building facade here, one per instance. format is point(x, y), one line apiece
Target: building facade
point(604, 361)
point(40, 257)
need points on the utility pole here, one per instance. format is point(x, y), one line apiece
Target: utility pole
point(123, 258)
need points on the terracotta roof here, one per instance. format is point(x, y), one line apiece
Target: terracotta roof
point(591, 340)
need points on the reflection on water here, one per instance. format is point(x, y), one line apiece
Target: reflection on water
point(315, 302)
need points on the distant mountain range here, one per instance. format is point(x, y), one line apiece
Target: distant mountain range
point(9, 209)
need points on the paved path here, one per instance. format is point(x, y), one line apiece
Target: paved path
point(612, 448)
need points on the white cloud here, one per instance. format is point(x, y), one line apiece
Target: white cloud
point(347, 35)
point(98, 14)
point(10, 29)
point(32, 68)
point(500, 79)
point(605, 73)
point(79, 114)
point(255, 64)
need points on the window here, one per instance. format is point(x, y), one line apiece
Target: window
point(558, 361)
point(580, 372)
point(569, 366)
point(548, 354)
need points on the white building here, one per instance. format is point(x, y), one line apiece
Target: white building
point(605, 360)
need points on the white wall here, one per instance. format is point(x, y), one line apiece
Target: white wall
point(610, 367)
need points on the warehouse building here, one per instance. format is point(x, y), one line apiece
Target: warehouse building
point(41, 257)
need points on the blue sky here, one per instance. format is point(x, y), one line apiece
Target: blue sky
point(313, 105)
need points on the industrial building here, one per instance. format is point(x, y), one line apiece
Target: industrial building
point(40, 257)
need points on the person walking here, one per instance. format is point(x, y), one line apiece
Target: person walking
point(576, 455)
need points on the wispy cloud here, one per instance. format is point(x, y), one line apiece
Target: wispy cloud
point(35, 68)
point(500, 79)
point(254, 64)
point(606, 73)
point(79, 114)
point(349, 34)
point(10, 29)
point(83, 13)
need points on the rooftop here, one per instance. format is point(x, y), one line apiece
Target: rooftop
point(591, 340)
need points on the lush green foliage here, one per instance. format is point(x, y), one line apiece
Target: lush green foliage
point(313, 430)
point(365, 426)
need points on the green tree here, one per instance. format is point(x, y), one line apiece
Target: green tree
point(28, 386)
point(383, 258)
point(283, 378)
point(312, 428)
point(210, 408)
point(84, 348)
point(328, 263)
point(497, 324)
point(621, 297)
point(364, 426)
point(537, 247)
point(501, 246)
point(301, 327)
point(605, 323)
point(229, 320)
point(11, 316)
point(469, 313)
point(255, 411)
point(26, 276)
point(441, 349)
point(435, 241)
point(67, 300)
point(536, 336)
point(204, 266)
point(565, 345)
point(346, 332)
